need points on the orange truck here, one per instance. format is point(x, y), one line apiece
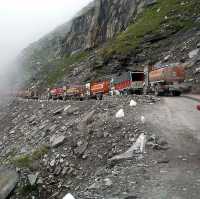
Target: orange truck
point(74, 92)
point(96, 90)
point(165, 80)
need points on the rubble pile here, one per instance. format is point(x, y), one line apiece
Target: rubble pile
point(65, 147)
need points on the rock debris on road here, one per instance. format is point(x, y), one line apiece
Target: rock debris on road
point(57, 150)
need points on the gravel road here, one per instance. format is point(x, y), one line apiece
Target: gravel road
point(178, 122)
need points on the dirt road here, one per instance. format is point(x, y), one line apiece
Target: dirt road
point(178, 121)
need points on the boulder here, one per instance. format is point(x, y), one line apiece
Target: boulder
point(33, 178)
point(133, 103)
point(120, 113)
point(57, 140)
point(68, 196)
point(193, 53)
point(58, 111)
point(8, 181)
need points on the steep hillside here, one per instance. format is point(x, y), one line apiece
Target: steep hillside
point(110, 36)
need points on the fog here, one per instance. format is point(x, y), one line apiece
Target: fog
point(25, 21)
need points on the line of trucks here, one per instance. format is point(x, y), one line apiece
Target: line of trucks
point(166, 80)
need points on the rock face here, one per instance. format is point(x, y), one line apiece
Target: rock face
point(8, 181)
point(101, 22)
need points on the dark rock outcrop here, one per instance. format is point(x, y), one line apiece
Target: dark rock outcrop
point(101, 22)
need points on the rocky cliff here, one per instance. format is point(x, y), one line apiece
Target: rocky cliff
point(109, 36)
point(95, 24)
point(101, 22)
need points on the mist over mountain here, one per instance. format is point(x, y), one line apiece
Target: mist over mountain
point(24, 22)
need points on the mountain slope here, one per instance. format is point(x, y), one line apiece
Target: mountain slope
point(110, 36)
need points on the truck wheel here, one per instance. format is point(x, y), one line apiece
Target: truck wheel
point(156, 91)
point(99, 96)
point(176, 93)
point(125, 92)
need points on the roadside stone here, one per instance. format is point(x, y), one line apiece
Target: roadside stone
point(40, 181)
point(69, 196)
point(120, 113)
point(64, 171)
point(95, 185)
point(108, 182)
point(150, 2)
point(58, 111)
point(58, 170)
point(159, 147)
point(66, 108)
point(193, 53)
point(56, 141)
point(131, 197)
point(81, 149)
point(163, 161)
point(33, 178)
point(87, 119)
point(52, 163)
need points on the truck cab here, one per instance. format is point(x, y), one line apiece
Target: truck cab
point(129, 82)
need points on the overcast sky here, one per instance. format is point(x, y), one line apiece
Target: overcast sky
point(25, 21)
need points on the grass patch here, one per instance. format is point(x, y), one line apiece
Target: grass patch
point(166, 15)
point(40, 152)
point(28, 190)
point(25, 161)
point(61, 67)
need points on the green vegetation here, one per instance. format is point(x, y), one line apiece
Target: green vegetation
point(25, 161)
point(40, 152)
point(28, 189)
point(165, 16)
point(62, 66)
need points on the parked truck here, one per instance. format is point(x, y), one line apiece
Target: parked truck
point(164, 80)
point(128, 82)
point(29, 93)
point(74, 92)
point(96, 90)
point(55, 93)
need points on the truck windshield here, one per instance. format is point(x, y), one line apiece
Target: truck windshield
point(137, 76)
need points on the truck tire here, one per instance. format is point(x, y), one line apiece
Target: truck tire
point(125, 92)
point(176, 93)
point(156, 91)
point(99, 96)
